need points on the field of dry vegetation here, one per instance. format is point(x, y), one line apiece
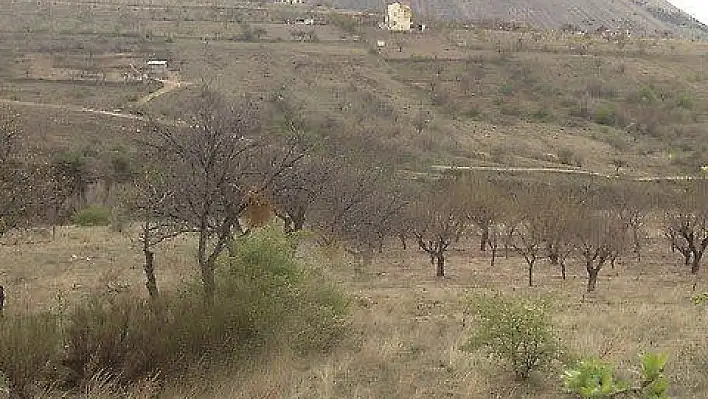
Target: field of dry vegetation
point(271, 217)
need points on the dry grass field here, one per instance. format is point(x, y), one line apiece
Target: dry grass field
point(409, 326)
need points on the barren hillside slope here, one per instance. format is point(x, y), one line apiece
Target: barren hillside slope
point(650, 16)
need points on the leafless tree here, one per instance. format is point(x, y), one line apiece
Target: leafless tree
point(529, 235)
point(485, 205)
point(358, 207)
point(687, 226)
point(296, 190)
point(439, 219)
point(212, 166)
point(22, 186)
point(600, 237)
point(560, 220)
point(147, 201)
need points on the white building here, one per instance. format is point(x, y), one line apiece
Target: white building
point(399, 17)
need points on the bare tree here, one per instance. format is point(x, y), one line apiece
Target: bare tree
point(688, 228)
point(211, 165)
point(528, 239)
point(560, 223)
point(296, 191)
point(22, 185)
point(358, 207)
point(439, 220)
point(485, 205)
point(147, 201)
point(600, 237)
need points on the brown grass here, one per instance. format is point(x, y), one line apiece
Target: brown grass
point(409, 325)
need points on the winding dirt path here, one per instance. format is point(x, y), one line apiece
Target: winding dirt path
point(168, 85)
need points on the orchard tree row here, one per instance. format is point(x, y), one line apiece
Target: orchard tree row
point(224, 171)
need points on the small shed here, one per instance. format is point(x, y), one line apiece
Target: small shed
point(157, 68)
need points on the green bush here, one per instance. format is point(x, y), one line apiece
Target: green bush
point(516, 331)
point(92, 216)
point(284, 297)
point(595, 379)
point(29, 346)
point(606, 115)
point(543, 114)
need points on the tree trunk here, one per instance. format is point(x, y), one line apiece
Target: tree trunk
point(402, 238)
point(686, 257)
point(440, 272)
point(696, 262)
point(209, 281)
point(494, 255)
point(151, 281)
point(562, 265)
point(592, 277)
point(531, 274)
point(206, 267)
point(484, 239)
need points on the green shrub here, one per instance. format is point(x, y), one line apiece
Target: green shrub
point(595, 379)
point(543, 114)
point(285, 298)
point(516, 331)
point(92, 216)
point(605, 115)
point(685, 101)
point(645, 95)
point(30, 345)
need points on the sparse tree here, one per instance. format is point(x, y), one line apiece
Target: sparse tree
point(147, 201)
point(485, 207)
point(560, 222)
point(421, 120)
point(22, 188)
point(211, 166)
point(438, 220)
point(529, 235)
point(358, 207)
point(600, 237)
point(687, 226)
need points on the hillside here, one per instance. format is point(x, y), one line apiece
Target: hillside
point(640, 16)
point(452, 96)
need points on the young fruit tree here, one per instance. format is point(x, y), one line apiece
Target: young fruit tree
point(358, 209)
point(530, 234)
point(438, 219)
point(687, 227)
point(600, 237)
point(559, 229)
point(485, 208)
point(147, 200)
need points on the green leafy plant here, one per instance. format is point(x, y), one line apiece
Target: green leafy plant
point(92, 216)
point(700, 298)
point(517, 331)
point(595, 379)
